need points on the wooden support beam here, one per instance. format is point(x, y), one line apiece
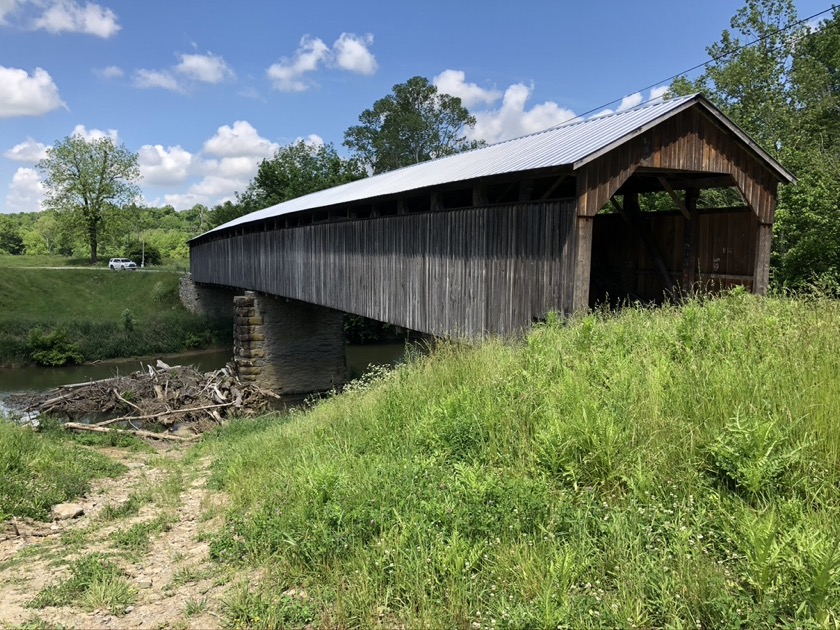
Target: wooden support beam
point(435, 202)
point(691, 238)
point(479, 194)
point(631, 207)
point(619, 209)
point(675, 197)
point(526, 187)
point(554, 187)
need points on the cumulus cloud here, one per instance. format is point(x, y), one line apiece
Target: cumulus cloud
point(109, 72)
point(25, 191)
point(22, 94)
point(95, 134)
point(511, 119)
point(29, 151)
point(287, 74)
point(454, 83)
point(352, 54)
point(634, 100)
point(207, 68)
point(67, 16)
point(149, 79)
point(239, 140)
point(227, 162)
point(161, 166)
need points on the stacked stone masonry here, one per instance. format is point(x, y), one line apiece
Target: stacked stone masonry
point(288, 346)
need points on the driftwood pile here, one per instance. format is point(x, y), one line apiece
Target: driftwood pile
point(162, 396)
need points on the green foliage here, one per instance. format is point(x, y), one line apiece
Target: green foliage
point(296, 170)
point(88, 307)
point(785, 92)
point(656, 468)
point(85, 179)
point(38, 471)
point(413, 124)
point(94, 582)
point(147, 254)
point(137, 538)
point(52, 348)
point(128, 320)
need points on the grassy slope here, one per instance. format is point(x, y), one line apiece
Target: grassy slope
point(668, 467)
point(89, 304)
point(38, 471)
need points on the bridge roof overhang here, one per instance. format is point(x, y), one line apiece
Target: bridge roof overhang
point(566, 148)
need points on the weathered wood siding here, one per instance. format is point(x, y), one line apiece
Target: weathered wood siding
point(726, 256)
point(463, 272)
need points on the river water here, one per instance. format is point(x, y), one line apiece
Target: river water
point(34, 379)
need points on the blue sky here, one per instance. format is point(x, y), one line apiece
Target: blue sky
point(204, 90)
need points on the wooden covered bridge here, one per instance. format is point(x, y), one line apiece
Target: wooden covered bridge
point(490, 240)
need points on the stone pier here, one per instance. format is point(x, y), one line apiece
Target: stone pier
point(206, 301)
point(288, 346)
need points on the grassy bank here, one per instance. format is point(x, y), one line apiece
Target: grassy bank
point(89, 314)
point(39, 470)
point(676, 467)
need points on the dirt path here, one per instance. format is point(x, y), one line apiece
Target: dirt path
point(149, 523)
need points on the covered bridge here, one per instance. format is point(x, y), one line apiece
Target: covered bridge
point(490, 240)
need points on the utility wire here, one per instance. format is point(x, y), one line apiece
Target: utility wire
point(700, 65)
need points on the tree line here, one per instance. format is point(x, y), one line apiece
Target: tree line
point(778, 79)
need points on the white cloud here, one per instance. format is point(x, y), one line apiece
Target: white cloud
point(25, 95)
point(109, 72)
point(512, 119)
point(239, 140)
point(7, 7)
point(207, 68)
point(70, 17)
point(287, 74)
point(95, 134)
point(352, 54)
point(313, 140)
point(226, 164)
point(453, 82)
point(25, 191)
point(634, 100)
point(147, 79)
point(29, 151)
point(628, 102)
point(164, 166)
point(658, 93)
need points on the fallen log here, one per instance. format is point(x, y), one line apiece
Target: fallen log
point(76, 426)
point(155, 416)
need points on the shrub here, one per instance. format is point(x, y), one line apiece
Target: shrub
point(53, 349)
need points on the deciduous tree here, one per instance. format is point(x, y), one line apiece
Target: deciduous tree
point(84, 178)
point(413, 124)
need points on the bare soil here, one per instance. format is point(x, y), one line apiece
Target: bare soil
point(177, 585)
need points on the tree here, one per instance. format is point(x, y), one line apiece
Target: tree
point(785, 92)
point(296, 170)
point(413, 124)
point(85, 178)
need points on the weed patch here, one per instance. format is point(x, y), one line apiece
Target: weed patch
point(94, 582)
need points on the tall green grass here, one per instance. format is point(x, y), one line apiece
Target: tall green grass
point(97, 314)
point(39, 470)
point(668, 467)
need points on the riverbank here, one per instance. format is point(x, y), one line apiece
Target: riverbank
point(59, 316)
point(668, 467)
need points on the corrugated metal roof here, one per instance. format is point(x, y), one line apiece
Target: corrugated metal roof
point(571, 144)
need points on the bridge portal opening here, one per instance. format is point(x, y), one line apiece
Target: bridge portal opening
point(647, 252)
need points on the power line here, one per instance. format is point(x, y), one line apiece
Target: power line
point(701, 65)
